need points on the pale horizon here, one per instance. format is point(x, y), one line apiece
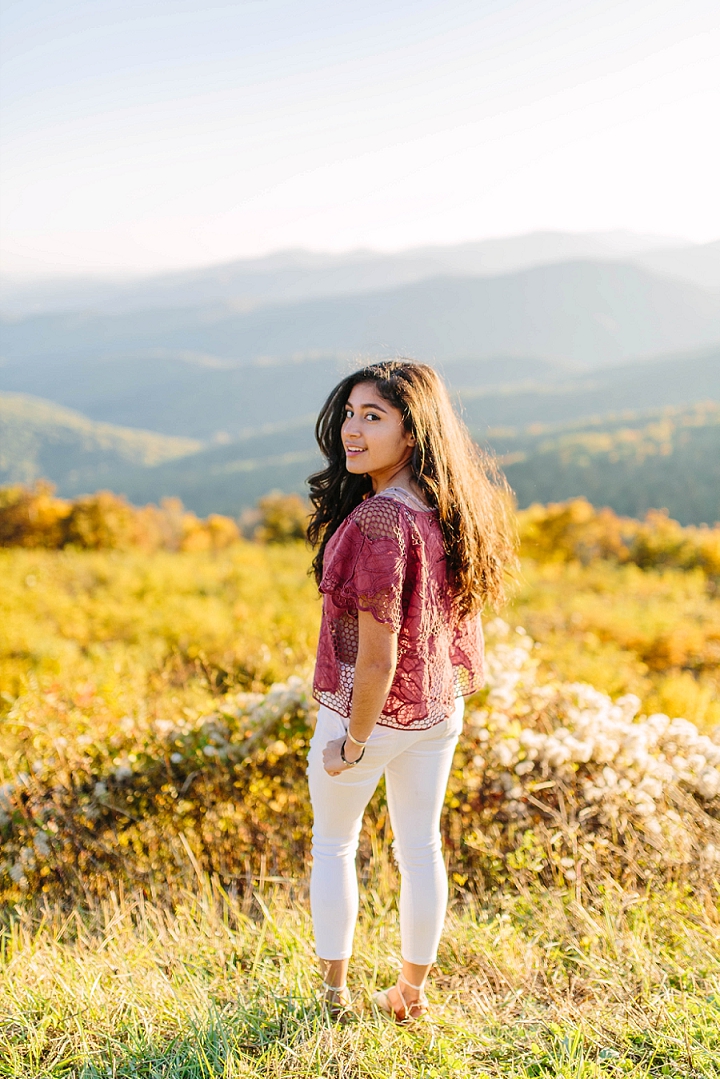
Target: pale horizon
point(645, 241)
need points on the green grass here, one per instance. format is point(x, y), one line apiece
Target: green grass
point(219, 986)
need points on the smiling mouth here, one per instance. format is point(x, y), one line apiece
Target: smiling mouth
point(351, 451)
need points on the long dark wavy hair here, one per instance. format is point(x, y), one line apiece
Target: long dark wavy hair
point(460, 480)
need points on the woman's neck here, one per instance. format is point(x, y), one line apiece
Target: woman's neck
point(402, 479)
point(396, 476)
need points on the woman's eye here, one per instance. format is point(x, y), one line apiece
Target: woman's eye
point(371, 416)
point(348, 413)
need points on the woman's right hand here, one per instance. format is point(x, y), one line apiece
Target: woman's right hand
point(332, 759)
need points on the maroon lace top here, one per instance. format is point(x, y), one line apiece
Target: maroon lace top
point(387, 557)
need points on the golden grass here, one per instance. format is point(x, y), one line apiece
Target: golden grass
point(217, 985)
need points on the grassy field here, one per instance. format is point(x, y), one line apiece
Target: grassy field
point(154, 826)
point(212, 986)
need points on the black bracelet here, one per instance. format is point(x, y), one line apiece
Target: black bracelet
point(343, 758)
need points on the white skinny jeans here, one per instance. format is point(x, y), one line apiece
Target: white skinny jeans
point(416, 766)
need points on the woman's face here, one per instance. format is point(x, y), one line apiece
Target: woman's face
point(374, 436)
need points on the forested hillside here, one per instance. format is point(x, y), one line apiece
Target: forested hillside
point(564, 368)
point(39, 438)
point(630, 461)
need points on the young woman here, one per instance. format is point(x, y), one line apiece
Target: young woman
point(414, 534)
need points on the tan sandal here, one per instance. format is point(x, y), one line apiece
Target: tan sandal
point(402, 1012)
point(337, 1001)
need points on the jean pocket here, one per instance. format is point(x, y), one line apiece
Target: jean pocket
point(456, 718)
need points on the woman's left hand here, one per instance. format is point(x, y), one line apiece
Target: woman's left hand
point(332, 761)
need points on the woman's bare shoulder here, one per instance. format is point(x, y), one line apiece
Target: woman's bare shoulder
point(378, 516)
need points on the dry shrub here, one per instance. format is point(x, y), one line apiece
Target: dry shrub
point(554, 784)
point(280, 518)
point(576, 531)
point(33, 517)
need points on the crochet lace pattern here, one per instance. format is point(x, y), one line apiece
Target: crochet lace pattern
point(387, 557)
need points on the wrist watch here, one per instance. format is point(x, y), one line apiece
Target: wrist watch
point(350, 764)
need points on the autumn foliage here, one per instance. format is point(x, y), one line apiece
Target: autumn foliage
point(562, 532)
point(576, 531)
point(34, 517)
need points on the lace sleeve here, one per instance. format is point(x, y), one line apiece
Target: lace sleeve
point(365, 562)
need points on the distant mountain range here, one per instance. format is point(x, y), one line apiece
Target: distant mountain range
point(198, 372)
point(300, 275)
point(214, 399)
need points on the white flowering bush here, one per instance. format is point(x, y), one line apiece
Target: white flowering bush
point(554, 782)
point(129, 803)
point(631, 791)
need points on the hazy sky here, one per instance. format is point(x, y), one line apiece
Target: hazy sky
point(144, 134)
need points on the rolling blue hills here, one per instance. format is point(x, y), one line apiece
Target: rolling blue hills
point(524, 420)
point(583, 313)
point(195, 373)
point(214, 402)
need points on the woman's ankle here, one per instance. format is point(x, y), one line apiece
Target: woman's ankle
point(411, 994)
point(334, 975)
point(411, 981)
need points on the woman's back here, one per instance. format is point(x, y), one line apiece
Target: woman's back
point(388, 558)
